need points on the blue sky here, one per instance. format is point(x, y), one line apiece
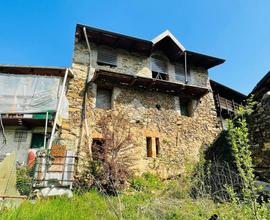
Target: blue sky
point(42, 32)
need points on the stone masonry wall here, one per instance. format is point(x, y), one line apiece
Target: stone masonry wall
point(134, 63)
point(260, 133)
point(180, 137)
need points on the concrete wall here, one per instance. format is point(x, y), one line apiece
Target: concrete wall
point(180, 137)
point(20, 148)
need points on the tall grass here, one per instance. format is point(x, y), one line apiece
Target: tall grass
point(148, 198)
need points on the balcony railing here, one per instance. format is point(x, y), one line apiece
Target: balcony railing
point(226, 104)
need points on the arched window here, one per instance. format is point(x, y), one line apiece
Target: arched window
point(106, 56)
point(159, 67)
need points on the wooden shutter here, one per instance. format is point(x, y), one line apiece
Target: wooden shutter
point(107, 56)
point(103, 98)
point(180, 72)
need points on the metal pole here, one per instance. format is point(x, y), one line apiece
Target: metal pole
point(46, 129)
point(58, 108)
point(85, 95)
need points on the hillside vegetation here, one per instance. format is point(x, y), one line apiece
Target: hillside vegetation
point(147, 198)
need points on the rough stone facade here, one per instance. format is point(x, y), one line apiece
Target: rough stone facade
point(260, 134)
point(180, 137)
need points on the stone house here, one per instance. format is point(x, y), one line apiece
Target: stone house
point(161, 90)
point(260, 127)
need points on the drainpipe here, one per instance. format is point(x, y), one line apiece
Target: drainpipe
point(46, 129)
point(85, 92)
point(58, 108)
point(89, 52)
point(186, 79)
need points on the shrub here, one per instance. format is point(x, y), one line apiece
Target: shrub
point(147, 182)
point(24, 180)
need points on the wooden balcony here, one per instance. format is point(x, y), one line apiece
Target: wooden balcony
point(226, 104)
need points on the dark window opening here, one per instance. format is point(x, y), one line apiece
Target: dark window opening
point(149, 151)
point(98, 149)
point(163, 76)
point(104, 98)
point(157, 147)
point(186, 107)
point(158, 106)
point(37, 140)
point(107, 57)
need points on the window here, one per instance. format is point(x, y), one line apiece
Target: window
point(186, 107)
point(159, 68)
point(37, 140)
point(107, 56)
point(97, 149)
point(149, 151)
point(180, 73)
point(104, 98)
point(20, 135)
point(157, 147)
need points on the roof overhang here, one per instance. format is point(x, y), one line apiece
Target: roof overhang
point(203, 60)
point(166, 42)
point(103, 37)
point(227, 92)
point(168, 34)
point(35, 70)
point(107, 78)
point(262, 87)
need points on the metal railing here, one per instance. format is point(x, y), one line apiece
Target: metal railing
point(56, 170)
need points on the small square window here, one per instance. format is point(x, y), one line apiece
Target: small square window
point(186, 107)
point(20, 135)
point(104, 98)
point(98, 149)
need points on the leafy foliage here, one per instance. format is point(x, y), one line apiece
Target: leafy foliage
point(107, 170)
point(24, 180)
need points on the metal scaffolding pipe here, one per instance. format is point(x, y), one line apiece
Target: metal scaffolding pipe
point(58, 108)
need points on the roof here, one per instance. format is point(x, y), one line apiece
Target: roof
point(227, 92)
point(35, 70)
point(262, 87)
point(168, 34)
point(166, 42)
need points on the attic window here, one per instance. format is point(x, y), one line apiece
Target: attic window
point(107, 56)
point(159, 68)
point(180, 73)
